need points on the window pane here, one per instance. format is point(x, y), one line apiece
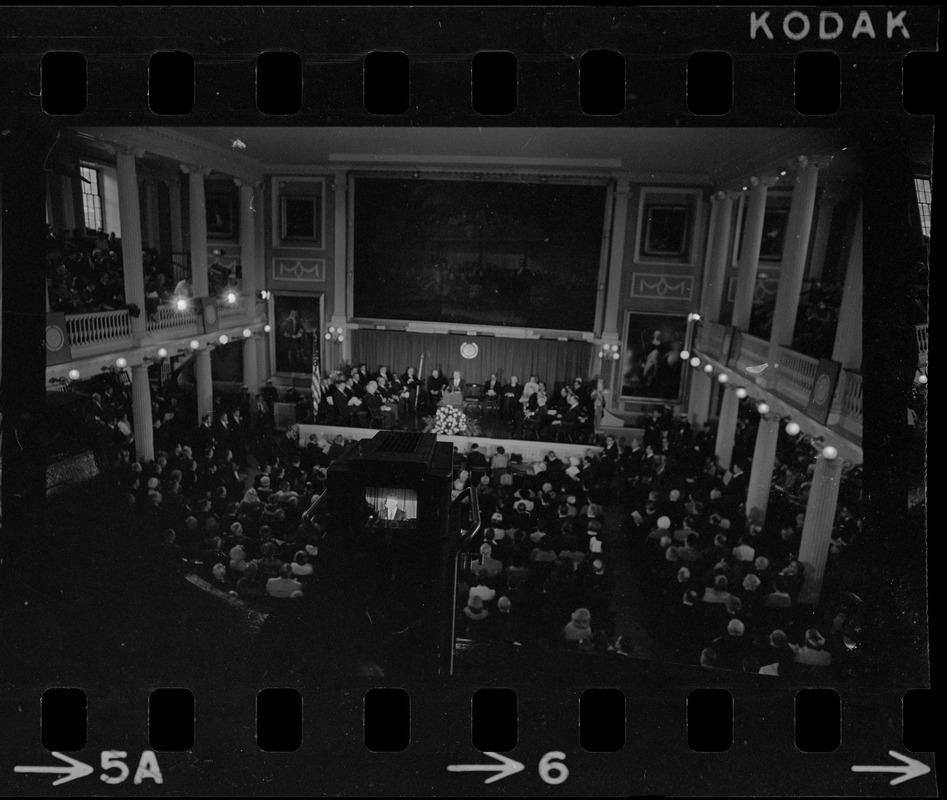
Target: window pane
point(923, 188)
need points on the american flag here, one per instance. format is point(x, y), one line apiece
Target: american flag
point(316, 378)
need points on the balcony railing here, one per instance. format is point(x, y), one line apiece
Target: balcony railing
point(168, 318)
point(847, 408)
point(100, 331)
point(753, 352)
point(795, 375)
point(921, 344)
point(98, 328)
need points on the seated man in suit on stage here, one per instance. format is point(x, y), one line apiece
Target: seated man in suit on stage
point(389, 396)
point(408, 401)
point(490, 393)
point(435, 388)
point(390, 515)
point(376, 406)
point(512, 393)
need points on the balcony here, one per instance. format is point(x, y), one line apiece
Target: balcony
point(103, 331)
point(792, 380)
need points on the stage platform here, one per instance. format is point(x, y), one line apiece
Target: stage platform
point(531, 450)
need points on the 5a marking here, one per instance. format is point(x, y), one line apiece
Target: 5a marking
point(71, 769)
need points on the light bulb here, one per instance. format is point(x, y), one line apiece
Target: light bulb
point(616, 356)
point(685, 354)
point(341, 338)
point(195, 344)
point(696, 317)
point(162, 352)
point(328, 337)
point(922, 379)
point(763, 408)
point(266, 329)
point(181, 304)
point(708, 369)
point(231, 298)
point(121, 362)
point(741, 393)
point(73, 374)
point(695, 361)
point(829, 453)
point(614, 348)
point(792, 428)
point(722, 377)
point(223, 339)
point(247, 333)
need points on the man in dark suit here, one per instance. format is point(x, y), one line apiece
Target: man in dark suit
point(389, 515)
point(409, 392)
point(435, 387)
point(512, 393)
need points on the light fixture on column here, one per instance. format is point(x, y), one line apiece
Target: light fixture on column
point(829, 453)
point(792, 428)
point(194, 345)
point(121, 362)
point(741, 393)
point(223, 338)
point(74, 375)
point(247, 333)
point(267, 328)
point(336, 333)
point(763, 408)
point(231, 298)
point(263, 294)
point(922, 379)
point(722, 377)
point(181, 304)
point(695, 361)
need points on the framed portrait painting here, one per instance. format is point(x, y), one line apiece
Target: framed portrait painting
point(652, 368)
point(301, 218)
point(221, 210)
point(296, 333)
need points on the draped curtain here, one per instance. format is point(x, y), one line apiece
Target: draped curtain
point(552, 361)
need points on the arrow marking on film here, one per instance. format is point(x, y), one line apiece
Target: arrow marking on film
point(504, 769)
point(911, 769)
point(73, 769)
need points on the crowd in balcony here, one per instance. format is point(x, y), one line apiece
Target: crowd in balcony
point(816, 318)
point(84, 274)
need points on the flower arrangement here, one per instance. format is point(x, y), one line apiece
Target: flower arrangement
point(450, 421)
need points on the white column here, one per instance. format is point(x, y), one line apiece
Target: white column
point(259, 243)
point(250, 374)
point(698, 400)
point(820, 239)
point(130, 215)
point(262, 357)
point(340, 257)
point(205, 383)
point(715, 271)
point(149, 226)
point(848, 334)
point(177, 220)
point(749, 264)
point(248, 265)
point(141, 414)
point(727, 428)
point(795, 251)
point(817, 529)
point(616, 258)
point(198, 226)
point(761, 473)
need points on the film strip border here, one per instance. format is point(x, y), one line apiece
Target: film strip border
point(369, 739)
point(501, 66)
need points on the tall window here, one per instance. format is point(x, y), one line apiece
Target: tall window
point(91, 198)
point(923, 188)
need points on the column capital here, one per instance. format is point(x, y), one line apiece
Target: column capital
point(768, 180)
point(195, 169)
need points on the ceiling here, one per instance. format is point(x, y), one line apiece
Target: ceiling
point(712, 155)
